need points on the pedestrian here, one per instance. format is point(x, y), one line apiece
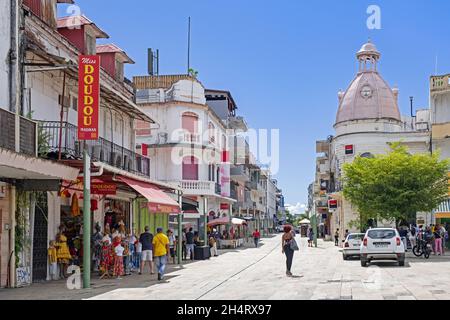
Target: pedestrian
point(190, 244)
point(146, 239)
point(403, 232)
point(310, 237)
point(256, 236)
point(172, 244)
point(118, 261)
point(53, 260)
point(444, 237)
point(213, 245)
point(286, 248)
point(437, 240)
point(336, 237)
point(412, 236)
point(161, 251)
point(137, 254)
point(183, 242)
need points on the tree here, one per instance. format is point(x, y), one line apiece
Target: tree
point(397, 185)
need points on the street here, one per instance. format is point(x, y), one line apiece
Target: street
point(319, 273)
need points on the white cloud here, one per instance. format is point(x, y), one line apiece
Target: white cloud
point(298, 208)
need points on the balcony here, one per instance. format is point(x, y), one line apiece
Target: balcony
point(239, 173)
point(251, 185)
point(28, 133)
point(99, 150)
point(197, 187)
point(188, 137)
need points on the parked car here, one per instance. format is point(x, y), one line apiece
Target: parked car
point(352, 245)
point(382, 244)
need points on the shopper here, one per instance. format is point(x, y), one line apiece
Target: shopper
point(172, 244)
point(146, 239)
point(161, 252)
point(137, 255)
point(256, 236)
point(412, 237)
point(183, 238)
point(310, 237)
point(336, 237)
point(190, 244)
point(213, 244)
point(286, 248)
point(437, 240)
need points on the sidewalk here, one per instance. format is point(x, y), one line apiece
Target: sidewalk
point(57, 290)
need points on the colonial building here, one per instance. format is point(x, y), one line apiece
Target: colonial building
point(41, 155)
point(440, 124)
point(189, 147)
point(368, 120)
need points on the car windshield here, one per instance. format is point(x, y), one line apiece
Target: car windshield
point(355, 236)
point(381, 234)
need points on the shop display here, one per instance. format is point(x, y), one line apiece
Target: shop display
point(62, 251)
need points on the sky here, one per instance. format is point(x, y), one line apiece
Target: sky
point(283, 61)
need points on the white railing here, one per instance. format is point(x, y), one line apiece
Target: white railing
point(196, 187)
point(190, 137)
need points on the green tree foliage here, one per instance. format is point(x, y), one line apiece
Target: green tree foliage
point(396, 185)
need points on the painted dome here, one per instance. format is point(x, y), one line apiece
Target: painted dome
point(368, 96)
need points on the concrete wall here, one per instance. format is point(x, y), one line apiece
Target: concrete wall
point(4, 50)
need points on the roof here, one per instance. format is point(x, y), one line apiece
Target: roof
point(368, 96)
point(78, 21)
point(112, 48)
point(159, 82)
point(214, 92)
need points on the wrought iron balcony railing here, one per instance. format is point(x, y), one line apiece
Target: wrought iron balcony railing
point(99, 150)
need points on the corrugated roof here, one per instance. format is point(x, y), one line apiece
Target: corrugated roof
point(112, 48)
point(78, 21)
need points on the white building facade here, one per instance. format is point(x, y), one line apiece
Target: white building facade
point(367, 122)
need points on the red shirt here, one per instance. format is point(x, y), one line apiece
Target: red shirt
point(256, 234)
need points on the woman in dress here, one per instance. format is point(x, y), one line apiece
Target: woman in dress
point(62, 251)
point(286, 248)
point(118, 261)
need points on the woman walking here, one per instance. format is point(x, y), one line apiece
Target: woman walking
point(310, 237)
point(286, 240)
point(437, 240)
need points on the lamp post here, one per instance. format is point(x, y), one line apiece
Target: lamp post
point(314, 225)
point(180, 229)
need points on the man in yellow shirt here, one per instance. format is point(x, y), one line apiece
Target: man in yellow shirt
point(161, 252)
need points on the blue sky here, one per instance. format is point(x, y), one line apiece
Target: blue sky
point(283, 61)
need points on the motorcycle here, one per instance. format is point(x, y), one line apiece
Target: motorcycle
point(423, 247)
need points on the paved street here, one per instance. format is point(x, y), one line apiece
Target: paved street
point(320, 273)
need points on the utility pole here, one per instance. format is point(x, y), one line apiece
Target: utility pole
point(189, 46)
point(180, 229)
point(86, 218)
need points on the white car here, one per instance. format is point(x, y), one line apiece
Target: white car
point(352, 245)
point(382, 244)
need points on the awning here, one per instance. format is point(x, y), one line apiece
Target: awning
point(191, 214)
point(158, 201)
point(305, 221)
point(238, 221)
point(442, 215)
point(219, 221)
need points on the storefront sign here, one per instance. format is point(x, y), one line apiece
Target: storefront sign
point(160, 208)
point(88, 97)
point(104, 188)
point(224, 206)
point(332, 204)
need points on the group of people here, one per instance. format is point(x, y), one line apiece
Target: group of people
point(436, 235)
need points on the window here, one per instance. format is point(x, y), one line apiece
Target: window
point(90, 45)
point(74, 103)
point(211, 131)
point(119, 71)
point(66, 101)
point(381, 234)
point(190, 168)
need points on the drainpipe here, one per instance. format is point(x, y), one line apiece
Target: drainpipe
point(14, 77)
point(12, 238)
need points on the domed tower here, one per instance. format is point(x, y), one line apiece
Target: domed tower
point(369, 104)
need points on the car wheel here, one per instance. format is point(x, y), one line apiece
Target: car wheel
point(401, 263)
point(344, 257)
point(363, 263)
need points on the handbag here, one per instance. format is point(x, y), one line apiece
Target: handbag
point(293, 245)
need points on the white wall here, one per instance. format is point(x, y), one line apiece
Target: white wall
point(4, 50)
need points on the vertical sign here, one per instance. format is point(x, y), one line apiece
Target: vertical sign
point(88, 97)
